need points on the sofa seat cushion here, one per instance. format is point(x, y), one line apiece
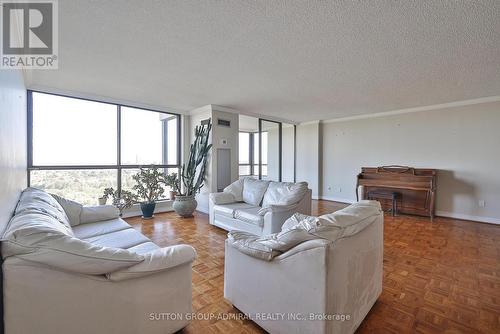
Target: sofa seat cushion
point(145, 247)
point(88, 230)
point(250, 215)
point(228, 210)
point(268, 246)
point(253, 190)
point(120, 239)
point(284, 193)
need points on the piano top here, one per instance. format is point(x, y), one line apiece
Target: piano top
point(402, 177)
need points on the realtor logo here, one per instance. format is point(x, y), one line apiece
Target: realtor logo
point(29, 34)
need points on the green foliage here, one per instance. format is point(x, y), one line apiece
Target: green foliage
point(122, 200)
point(172, 181)
point(83, 186)
point(193, 173)
point(149, 184)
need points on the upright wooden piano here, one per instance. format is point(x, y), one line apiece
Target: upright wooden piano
point(415, 187)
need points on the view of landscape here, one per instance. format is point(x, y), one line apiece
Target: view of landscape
point(83, 186)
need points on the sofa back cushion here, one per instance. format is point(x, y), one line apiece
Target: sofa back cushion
point(284, 193)
point(253, 190)
point(36, 234)
point(354, 218)
point(73, 209)
point(236, 189)
point(34, 200)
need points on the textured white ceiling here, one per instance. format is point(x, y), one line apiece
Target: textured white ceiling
point(299, 60)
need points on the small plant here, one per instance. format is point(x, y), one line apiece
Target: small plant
point(149, 184)
point(121, 201)
point(172, 181)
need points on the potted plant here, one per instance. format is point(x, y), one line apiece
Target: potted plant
point(193, 172)
point(172, 181)
point(102, 200)
point(149, 188)
point(121, 201)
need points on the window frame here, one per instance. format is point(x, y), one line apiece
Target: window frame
point(280, 148)
point(250, 156)
point(118, 166)
point(256, 169)
point(251, 161)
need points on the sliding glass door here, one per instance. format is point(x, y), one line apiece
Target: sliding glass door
point(270, 150)
point(266, 149)
point(288, 153)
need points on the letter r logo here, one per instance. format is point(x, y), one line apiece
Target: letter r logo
point(27, 28)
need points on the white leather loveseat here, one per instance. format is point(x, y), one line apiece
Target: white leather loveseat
point(74, 269)
point(318, 275)
point(257, 206)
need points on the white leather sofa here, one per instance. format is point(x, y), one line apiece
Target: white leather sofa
point(79, 270)
point(257, 206)
point(319, 275)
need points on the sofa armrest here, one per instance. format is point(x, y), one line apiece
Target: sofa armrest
point(273, 220)
point(222, 198)
point(91, 214)
point(278, 208)
point(305, 246)
point(155, 262)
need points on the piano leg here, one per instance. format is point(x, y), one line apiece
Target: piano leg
point(431, 209)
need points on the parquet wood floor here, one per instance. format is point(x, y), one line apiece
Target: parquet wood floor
point(438, 278)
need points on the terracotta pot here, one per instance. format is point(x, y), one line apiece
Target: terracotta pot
point(172, 194)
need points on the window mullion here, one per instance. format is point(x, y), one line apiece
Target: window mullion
point(119, 148)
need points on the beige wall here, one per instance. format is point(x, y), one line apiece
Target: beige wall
point(462, 142)
point(12, 142)
point(218, 134)
point(229, 135)
point(308, 156)
point(288, 153)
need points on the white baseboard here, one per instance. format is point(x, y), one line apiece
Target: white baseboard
point(337, 199)
point(447, 214)
point(202, 209)
point(135, 210)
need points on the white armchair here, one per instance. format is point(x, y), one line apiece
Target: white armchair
point(325, 283)
point(256, 206)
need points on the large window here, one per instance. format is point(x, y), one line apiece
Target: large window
point(274, 158)
point(77, 147)
point(245, 165)
point(249, 154)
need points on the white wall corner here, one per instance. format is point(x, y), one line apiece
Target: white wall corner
point(309, 123)
point(205, 108)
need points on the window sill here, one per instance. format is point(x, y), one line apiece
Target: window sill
point(161, 206)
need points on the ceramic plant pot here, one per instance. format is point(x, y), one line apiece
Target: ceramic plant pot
point(147, 210)
point(184, 206)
